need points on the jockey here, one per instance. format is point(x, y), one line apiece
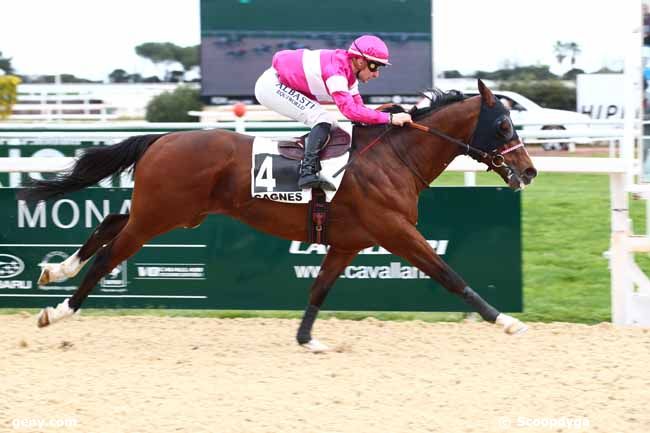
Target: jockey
point(300, 80)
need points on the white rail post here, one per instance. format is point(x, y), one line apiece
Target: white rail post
point(622, 255)
point(619, 255)
point(470, 178)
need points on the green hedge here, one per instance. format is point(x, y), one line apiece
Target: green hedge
point(8, 94)
point(173, 106)
point(547, 93)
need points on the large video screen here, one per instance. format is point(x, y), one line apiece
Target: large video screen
point(239, 38)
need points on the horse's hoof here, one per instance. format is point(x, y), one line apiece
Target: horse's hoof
point(518, 327)
point(50, 315)
point(315, 346)
point(44, 278)
point(43, 319)
point(511, 325)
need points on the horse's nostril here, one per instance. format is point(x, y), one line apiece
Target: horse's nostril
point(530, 173)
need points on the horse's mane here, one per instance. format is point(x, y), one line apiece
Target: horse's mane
point(437, 98)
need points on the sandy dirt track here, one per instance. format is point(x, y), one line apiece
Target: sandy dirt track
point(149, 374)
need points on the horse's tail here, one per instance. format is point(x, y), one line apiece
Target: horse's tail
point(94, 165)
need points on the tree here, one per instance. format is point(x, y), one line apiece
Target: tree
point(188, 57)
point(175, 76)
point(521, 73)
point(548, 93)
point(136, 78)
point(156, 52)
point(574, 49)
point(151, 79)
point(8, 94)
point(168, 53)
point(452, 74)
point(606, 70)
point(174, 106)
point(566, 49)
point(5, 64)
point(572, 73)
point(51, 79)
point(119, 76)
point(560, 51)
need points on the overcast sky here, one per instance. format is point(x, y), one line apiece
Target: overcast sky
point(91, 38)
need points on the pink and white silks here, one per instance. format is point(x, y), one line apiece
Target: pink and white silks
point(301, 80)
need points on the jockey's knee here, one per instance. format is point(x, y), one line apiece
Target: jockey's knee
point(323, 117)
point(263, 85)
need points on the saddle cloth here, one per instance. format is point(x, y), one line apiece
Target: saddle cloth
point(275, 177)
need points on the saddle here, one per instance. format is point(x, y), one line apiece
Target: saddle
point(337, 144)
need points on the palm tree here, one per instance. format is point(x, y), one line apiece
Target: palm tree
point(560, 51)
point(575, 50)
point(563, 49)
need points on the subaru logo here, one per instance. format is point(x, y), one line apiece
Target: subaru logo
point(10, 266)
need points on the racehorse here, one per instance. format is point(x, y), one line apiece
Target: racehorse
point(182, 177)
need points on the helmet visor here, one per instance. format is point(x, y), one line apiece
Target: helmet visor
point(373, 65)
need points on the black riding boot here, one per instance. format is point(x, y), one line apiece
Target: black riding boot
point(309, 177)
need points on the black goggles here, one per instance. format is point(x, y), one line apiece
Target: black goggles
point(372, 65)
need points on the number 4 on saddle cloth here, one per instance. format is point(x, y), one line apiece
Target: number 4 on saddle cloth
point(275, 170)
point(276, 167)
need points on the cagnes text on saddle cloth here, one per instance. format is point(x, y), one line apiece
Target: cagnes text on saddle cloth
point(274, 177)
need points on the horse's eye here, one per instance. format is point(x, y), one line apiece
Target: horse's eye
point(505, 129)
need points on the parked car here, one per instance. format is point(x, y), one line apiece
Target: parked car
point(529, 116)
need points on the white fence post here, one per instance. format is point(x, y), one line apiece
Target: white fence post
point(470, 178)
point(619, 256)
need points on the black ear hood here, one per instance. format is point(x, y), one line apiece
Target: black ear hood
point(487, 134)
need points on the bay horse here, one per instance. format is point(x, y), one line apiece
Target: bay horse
point(182, 177)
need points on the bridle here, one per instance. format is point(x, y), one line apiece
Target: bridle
point(495, 157)
point(489, 142)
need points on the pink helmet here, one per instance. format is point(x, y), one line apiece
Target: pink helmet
point(371, 48)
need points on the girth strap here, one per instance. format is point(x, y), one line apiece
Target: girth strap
point(317, 217)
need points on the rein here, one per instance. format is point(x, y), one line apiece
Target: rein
point(362, 151)
point(406, 162)
point(495, 157)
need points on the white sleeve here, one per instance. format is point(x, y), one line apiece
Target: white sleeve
point(337, 83)
point(354, 90)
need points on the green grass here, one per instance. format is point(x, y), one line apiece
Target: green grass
point(566, 230)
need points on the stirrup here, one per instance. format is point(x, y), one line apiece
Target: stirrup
point(315, 181)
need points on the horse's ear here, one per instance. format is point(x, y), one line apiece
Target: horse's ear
point(486, 94)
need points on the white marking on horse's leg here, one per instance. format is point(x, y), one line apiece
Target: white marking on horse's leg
point(315, 346)
point(57, 272)
point(511, 325)
point(51, 315)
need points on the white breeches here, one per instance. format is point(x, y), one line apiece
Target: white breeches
point(289, 102)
